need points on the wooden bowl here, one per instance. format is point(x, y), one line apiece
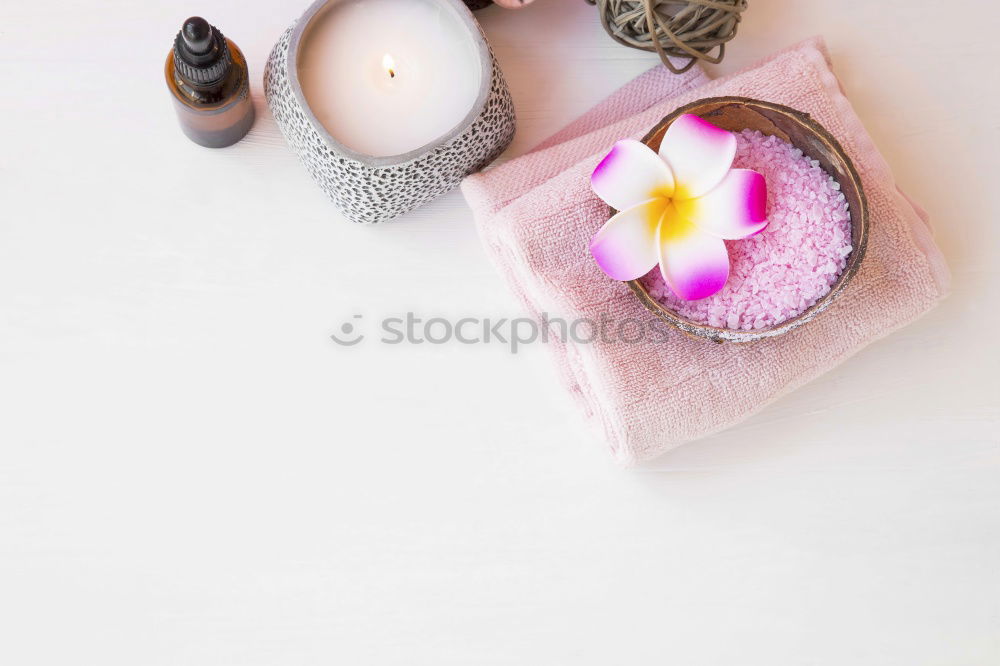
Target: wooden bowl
point(739, 113)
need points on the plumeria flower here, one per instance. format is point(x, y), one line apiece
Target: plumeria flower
point(677, 207)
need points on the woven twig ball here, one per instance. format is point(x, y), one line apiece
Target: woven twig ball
point(690, 29)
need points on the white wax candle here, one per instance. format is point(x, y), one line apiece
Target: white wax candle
point(386, 77)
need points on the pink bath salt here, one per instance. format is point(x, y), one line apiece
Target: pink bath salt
point(793, 262)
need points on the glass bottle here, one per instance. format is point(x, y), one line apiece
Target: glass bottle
point(210, 84)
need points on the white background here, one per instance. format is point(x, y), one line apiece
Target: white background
point(192, 473)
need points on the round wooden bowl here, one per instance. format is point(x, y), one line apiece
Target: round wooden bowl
point(739, 113)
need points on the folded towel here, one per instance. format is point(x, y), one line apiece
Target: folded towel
point(536, 215)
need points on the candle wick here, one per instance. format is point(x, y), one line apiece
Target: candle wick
point(390, 65)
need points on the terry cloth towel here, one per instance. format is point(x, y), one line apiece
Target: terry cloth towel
point(536, 215)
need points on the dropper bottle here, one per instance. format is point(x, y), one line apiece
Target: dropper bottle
point(210, 84)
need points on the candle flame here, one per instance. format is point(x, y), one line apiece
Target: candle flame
point(389, 64)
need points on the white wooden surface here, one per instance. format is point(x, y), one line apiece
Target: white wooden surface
point(191, 473)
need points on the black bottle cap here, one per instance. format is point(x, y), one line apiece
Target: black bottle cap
point(201, 53)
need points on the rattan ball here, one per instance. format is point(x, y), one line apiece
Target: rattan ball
point(686, 29)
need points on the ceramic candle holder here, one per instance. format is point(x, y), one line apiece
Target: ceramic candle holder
point(370, 189)
point(800, 130)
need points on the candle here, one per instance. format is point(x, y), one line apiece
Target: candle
point(386, 77)
point(388, 103)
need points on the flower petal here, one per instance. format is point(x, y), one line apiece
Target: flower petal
point(699, 154)
point(735, 208)
point(694, 264)
point(630, 174)
point(625, 247)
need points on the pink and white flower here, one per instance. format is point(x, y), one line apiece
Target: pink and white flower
point(677, 207)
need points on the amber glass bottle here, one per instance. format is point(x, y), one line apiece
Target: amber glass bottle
point(210, 84)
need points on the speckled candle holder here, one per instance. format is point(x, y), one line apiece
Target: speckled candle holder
point(369, 189)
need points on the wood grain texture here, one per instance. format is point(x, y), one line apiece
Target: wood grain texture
point(192, 473)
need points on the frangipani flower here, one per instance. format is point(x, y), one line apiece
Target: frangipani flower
point(676, 208)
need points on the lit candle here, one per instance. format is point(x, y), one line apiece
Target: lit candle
point(386, 77)
point(388, 103)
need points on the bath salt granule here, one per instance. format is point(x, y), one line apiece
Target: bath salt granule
point(783, 270)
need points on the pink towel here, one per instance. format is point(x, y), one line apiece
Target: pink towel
point(536, 215)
